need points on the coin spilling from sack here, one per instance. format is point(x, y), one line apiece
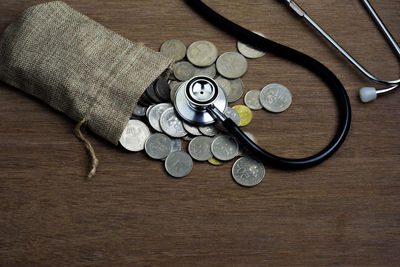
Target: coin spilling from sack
point(157, 129)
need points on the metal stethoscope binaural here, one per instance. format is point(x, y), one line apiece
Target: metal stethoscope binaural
point(367, 94)
point(201, 101)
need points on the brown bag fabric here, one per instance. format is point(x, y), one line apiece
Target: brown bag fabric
point(77, 66)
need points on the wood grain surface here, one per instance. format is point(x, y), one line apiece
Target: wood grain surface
point(343, 212)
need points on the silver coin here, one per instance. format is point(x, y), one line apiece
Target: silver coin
point(252, 99)
point(162, 89)
point(209, 71)
point(250, 51)
point(176, 144)
point(148, 111)
point(230, 113)
point(174, 87)
point(209, 130)
point(174, 49)
point(231, 65)
point(248, 172)
point(155, 115)
point(183, 70)
point(178, 164)
point(237, 89)
point(225, 147)
point(275, 97)
point(134, 135)
point(202, 53)
point(225, 84)
point(171, 124)
point(158, 146)
point(139, 111)
point(200, 148)
point(191, 129)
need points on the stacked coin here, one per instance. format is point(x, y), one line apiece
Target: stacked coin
point(156, 127)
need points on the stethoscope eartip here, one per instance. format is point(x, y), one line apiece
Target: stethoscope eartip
point(368, 94)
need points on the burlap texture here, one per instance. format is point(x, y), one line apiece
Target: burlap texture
point(77, 66)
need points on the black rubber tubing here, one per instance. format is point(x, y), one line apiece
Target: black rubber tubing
point(308, 62)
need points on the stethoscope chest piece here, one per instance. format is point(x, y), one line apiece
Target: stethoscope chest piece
point(194, 97)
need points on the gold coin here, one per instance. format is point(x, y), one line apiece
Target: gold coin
point(245, 114)
point(214, 161)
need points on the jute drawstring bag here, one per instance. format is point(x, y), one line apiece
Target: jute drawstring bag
point(78, 67)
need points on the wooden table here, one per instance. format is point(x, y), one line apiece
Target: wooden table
point(345, 211)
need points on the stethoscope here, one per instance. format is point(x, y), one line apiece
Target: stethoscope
point(201, 101)
point(367, 94)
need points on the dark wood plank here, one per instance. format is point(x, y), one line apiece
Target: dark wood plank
point(345, 211)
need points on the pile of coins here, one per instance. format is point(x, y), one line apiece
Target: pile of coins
point(156, 128)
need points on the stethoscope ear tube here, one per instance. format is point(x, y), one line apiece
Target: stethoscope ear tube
point(308, 62)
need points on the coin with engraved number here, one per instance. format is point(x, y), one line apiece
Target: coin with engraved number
point(183, 70)
point(209, 130)
point(158, 146)
point(275, 97)
point(209, 71)
point(225, 147)
point(214, 161)
point(245, 114)
point(162, 89)
point(248, 172)
point(231, 65)
point(200, 148)
point(250, 51)
point(191, 129)
point(202, 53)
point(171, 124)
point(178, 164)
point(155, 115)
point(134, 135)
point(252, 99)
point(174, 49)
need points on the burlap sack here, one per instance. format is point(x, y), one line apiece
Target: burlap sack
point(77, 66)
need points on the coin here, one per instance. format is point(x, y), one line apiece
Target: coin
point(148, 110)
point(208, 130)
point(209, 71)
point(191, 129)
point(178, 164)
point(245, 114)
point(231, 65)
point(252, 99)
point(174, 86)
point(230, 113)
point(174, 49)
point(183, 70)
point(144, 98)
point(214, 161)
point(225, 84)
point(250, 51)
point(237, 89)
point(248, 172)
point(176, 144)
point(275, 97)
point(139, 111)
point(224, 147)
point(162, 89)
point(151, 93)
point(200, 148)
point(155, 115)
point(134, 135)
point(158, 146)
point(202, 53)
point(171, 124)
